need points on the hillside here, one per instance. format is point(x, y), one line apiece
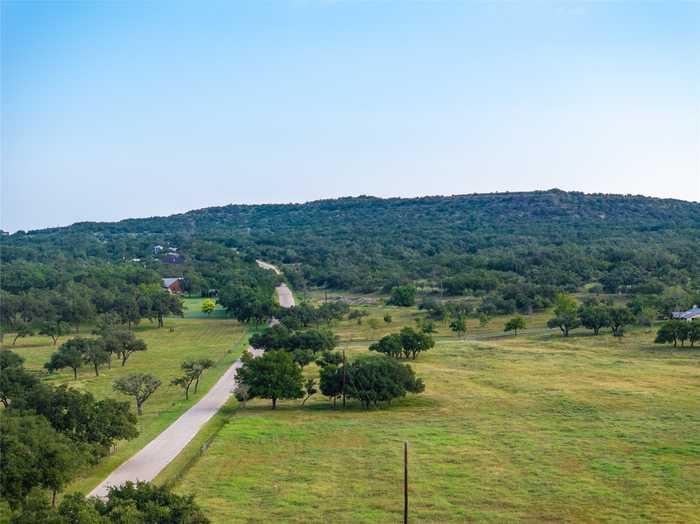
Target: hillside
point(543, 238)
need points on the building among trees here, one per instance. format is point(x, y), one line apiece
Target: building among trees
point(173, 285)
point(692, 314)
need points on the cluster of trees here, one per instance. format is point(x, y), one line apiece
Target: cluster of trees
point(256, 305)
point(404, 296)
point(371, 380)
point(303, 345)
point(568, 315)
point(58, 312)
point(130, 503)
point(407, 343)
point(678, 331)
point(306, 315)
point(96, 352)
point(54, 283)
point(277, 374)
point(247, 304)
point(48, 432)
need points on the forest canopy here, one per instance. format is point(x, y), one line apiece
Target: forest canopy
point(516, 250)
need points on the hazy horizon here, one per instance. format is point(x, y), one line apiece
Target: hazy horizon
point(125, 110)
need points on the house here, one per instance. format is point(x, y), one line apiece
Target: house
point(692, 314)
point(173, 285)
point(157, 249)
point(173, 258)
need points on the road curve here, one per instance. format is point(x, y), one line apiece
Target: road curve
point(267, 265)
point(158, 453)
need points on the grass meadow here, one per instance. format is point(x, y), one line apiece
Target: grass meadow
point(534, 428)
point(222, 340)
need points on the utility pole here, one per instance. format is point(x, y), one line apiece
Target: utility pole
point(405, 483)
point(344, 375)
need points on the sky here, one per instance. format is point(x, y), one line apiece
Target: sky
point(117, 109)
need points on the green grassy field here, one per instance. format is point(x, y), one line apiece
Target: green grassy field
point(220, 340)
point(529, 429)
point(193, 309)
point(349, 331)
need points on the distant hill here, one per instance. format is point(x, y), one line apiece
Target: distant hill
point(563, 239)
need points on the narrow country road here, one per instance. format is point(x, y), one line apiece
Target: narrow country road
point(158, 453)
point(284, 294)
point(267, 265)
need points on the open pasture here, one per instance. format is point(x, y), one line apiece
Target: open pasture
point(529, 429)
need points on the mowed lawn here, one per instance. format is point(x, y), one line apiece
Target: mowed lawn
point(221, 340)
point(526, 429)
point(193, 309)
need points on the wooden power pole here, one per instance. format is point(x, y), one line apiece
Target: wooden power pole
point(344, 371)
point(405, 483)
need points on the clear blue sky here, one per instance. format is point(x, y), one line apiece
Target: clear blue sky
point(122, 109)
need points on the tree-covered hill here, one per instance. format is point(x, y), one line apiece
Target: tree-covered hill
point(472, 244)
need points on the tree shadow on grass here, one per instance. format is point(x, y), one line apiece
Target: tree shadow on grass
point(670, 351)
point(407, 403)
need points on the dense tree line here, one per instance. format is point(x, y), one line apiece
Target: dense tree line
point(48, 432)
point(515, 250)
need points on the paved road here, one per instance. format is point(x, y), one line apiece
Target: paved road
point(158, 453)
point(285, 296)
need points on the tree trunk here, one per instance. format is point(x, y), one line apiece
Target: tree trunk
point(124, 357)
point(97, 371)
point(138, 408)
point(53, 498)
point(274, 402)
point(196, 385)
point(75, 373)
point(15, 340)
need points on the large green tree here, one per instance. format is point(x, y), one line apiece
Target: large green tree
point(594, 316)
point(69, 355)
point(515, 324)
point(274, 376)
point(403, 295)
point(372, 380)
point(33, 455)
point(414, 342)
point(565, 314)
